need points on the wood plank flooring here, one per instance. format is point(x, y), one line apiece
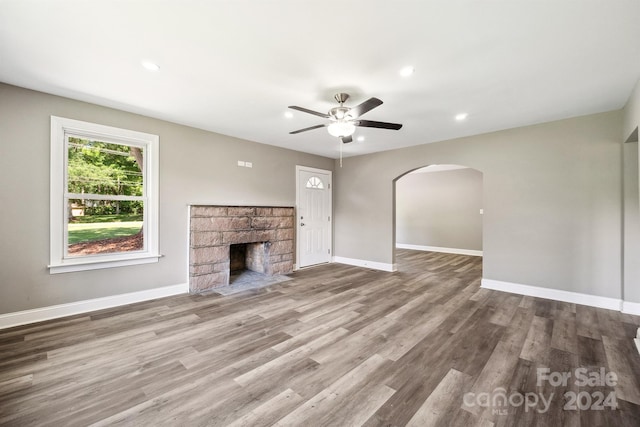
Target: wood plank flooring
point(335, 346)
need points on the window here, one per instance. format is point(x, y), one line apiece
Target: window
point(315, 182)
point(104, 196)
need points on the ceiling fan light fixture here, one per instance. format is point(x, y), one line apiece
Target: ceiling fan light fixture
point(340, 129)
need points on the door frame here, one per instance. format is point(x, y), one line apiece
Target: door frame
point(330, 229)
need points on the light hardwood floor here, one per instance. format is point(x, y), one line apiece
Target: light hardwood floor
point(335, 346)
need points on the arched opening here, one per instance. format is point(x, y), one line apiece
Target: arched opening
point(438, 208)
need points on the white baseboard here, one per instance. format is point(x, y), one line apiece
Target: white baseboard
point(439, 249)
point(554, 294)
point(55, 311)
point(364, 263)
point(631, 308)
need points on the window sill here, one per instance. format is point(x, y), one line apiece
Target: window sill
point(69, 266)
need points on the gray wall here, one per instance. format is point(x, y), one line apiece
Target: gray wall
point(552, 202)
point(440, 209)
point(552, 198)
point(631, 229)
point(195, 167)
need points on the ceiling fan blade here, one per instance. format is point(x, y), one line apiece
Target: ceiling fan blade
point(347, 139)
point(306, 110)
point(367, 105)
point(379, 125)
point(306, 129)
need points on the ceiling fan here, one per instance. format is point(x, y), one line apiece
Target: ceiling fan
point(344, 120)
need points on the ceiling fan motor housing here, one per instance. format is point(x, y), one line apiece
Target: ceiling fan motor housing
point(340, 113)
point(341, 97)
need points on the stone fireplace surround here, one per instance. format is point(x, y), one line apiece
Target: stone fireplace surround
point(214, 228)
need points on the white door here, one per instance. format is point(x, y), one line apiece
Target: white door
point(313, 216)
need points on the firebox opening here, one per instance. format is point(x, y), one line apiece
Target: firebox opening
point(246, 257)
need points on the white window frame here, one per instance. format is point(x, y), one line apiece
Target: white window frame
point(61, 263)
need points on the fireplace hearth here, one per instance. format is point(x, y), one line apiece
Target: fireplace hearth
point(227, 238)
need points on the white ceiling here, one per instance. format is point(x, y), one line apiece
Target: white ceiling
point(234, 66)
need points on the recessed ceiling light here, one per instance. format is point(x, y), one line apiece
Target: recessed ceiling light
point(360, 138)
point(407, 71)
point(288, 114)
point(151, 66)
point(462, 116)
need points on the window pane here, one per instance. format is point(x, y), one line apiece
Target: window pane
point(315, 182)
point(96, 167)
point(104, 226)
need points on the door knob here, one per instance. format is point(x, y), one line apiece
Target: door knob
point(302, 224)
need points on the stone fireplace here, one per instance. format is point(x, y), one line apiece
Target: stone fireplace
point(228, 238)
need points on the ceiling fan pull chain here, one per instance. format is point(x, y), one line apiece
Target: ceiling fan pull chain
point(341, 144)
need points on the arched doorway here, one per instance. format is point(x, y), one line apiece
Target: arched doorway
point(439, 208)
